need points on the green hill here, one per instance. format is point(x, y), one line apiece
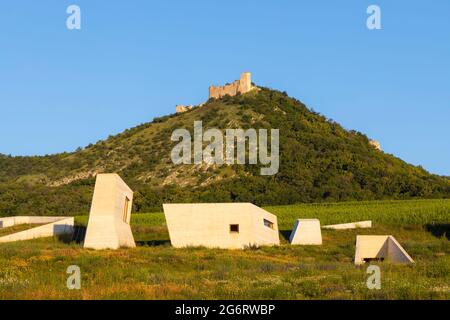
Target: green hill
point(319, 162)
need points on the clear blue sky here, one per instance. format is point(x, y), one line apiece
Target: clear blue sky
point(134, 60)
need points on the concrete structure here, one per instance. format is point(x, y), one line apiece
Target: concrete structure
point(243, 85)
point(352, 225)
point(370, 248)
point(306, 232)
point(52, 226)
point(109, 219)
point(220, 225)
point(181, 108)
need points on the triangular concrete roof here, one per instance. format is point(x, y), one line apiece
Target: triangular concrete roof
point(373, 247)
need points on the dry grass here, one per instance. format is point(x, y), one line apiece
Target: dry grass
point(155, 270)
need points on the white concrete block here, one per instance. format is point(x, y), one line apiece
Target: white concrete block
point(352, 225)
point(370, 247)
point(7, 222)
point(306, 232)
point(220, 225)
point(53, 226)
point(109, 218)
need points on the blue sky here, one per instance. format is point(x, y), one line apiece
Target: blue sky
point(134, 60)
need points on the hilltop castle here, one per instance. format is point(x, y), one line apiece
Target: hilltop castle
point(243, 85)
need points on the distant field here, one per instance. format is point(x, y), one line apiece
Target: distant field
point(155, 270)
point(386, 212)
point(392, 212)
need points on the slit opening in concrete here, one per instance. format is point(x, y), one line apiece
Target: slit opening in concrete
point(125, 210)
point(369, 260)
point(268, 224)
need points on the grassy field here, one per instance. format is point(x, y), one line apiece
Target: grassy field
point(155, 270)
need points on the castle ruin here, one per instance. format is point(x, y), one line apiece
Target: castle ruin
point(180, 108)
point(243, 85)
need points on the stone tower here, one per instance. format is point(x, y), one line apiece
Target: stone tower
point(245, 83)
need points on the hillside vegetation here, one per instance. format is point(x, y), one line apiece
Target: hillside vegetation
point(319, 162)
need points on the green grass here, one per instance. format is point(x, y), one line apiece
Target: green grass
point(155, 270)
point(389, 212)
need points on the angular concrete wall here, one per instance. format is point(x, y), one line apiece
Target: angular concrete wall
point(351, 225)
point(380, 247)
point(13, 221)
point(306, 232)
point(109, 218)
point(396, 253)
point(8, 222)
point(211, 225)
point(53, 226)
point(17, 220)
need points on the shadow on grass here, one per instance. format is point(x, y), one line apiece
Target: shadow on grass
point(153, 243)
point(439, 230)
point(286, 234)
point(79, 232)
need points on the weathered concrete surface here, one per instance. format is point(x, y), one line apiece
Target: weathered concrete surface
point(109, 218)
point(213, 225)
point(306, 232)
point(351, 225)
point(53, 226)
point(380, 247)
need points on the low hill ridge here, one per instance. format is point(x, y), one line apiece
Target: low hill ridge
point(319, 161)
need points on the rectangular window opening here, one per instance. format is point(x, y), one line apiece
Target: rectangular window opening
point(234, 228)
point(268, 224)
